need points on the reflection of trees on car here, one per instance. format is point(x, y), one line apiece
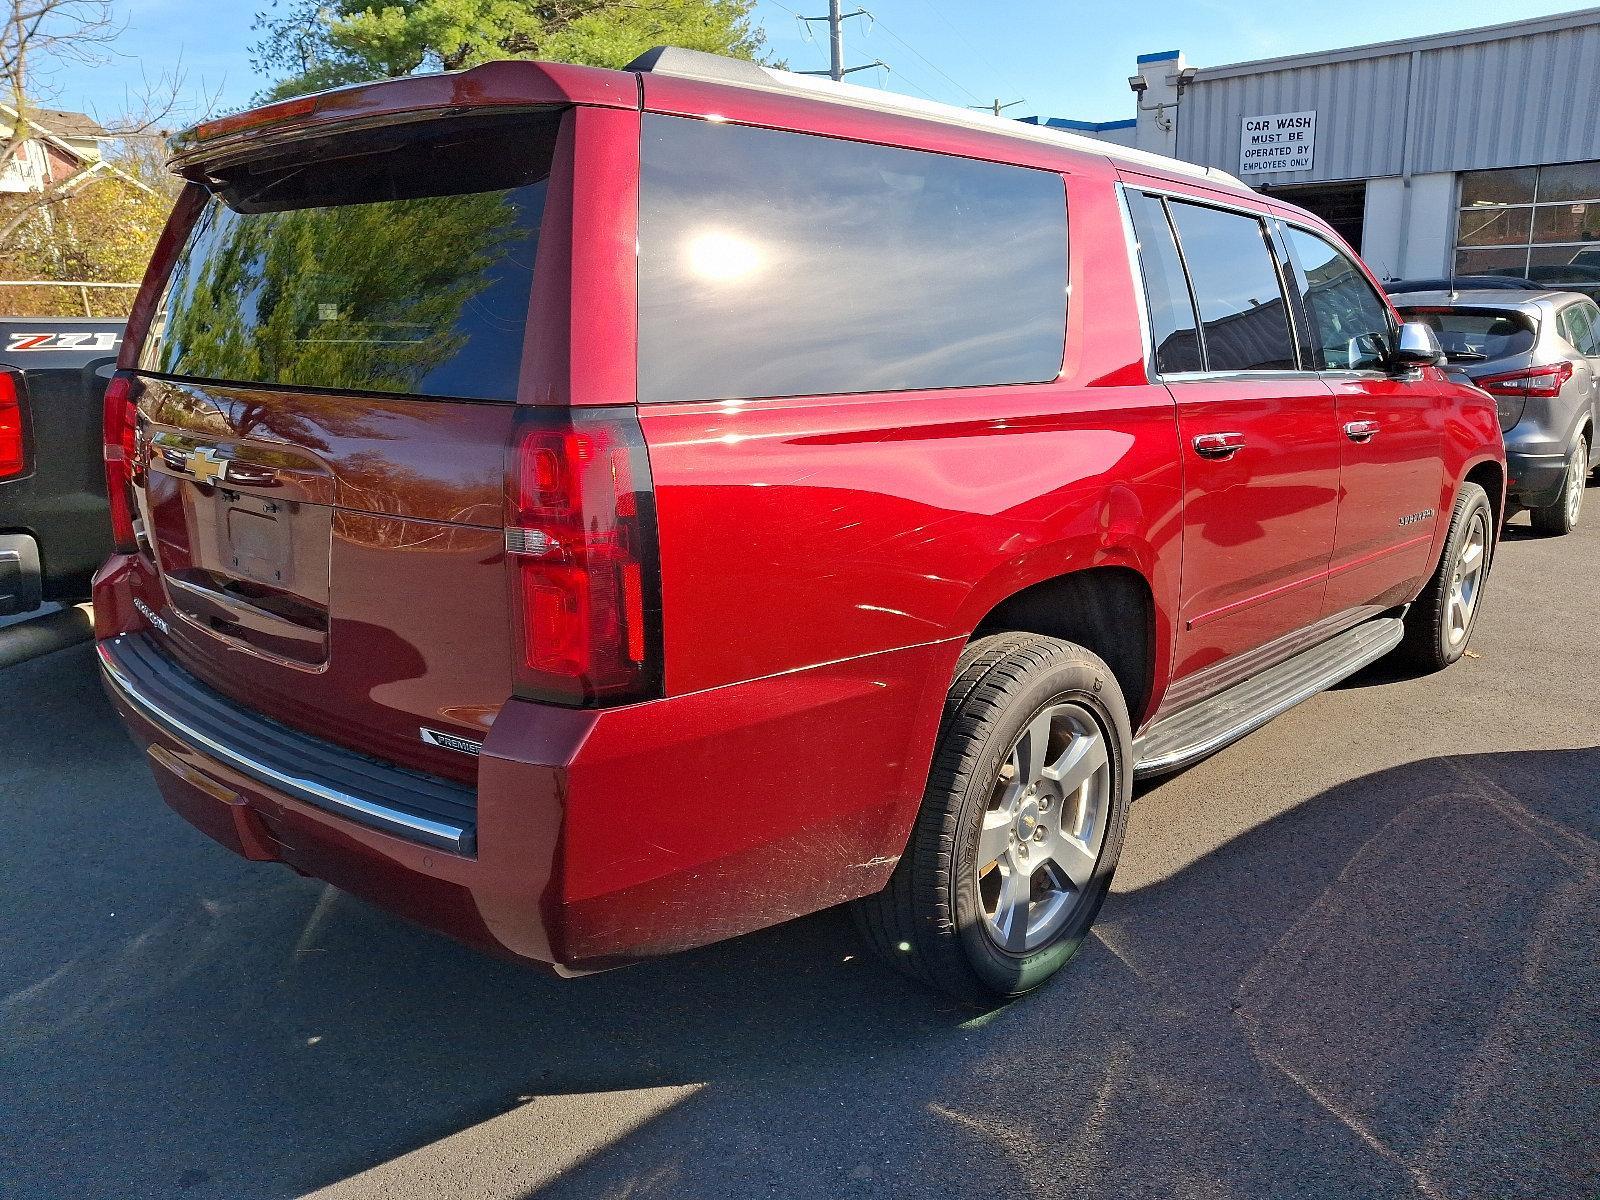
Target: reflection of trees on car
point(365, 296)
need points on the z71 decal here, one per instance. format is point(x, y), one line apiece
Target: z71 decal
point(64, 341)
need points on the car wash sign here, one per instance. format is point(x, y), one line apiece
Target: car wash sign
point(1277, 142)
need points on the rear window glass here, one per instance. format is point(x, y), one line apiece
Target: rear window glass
point(399, 263)
point(1470, 336)
point(785, 264)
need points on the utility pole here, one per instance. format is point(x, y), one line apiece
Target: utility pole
point(997, 108)
point(836, 19)
point(835, 41)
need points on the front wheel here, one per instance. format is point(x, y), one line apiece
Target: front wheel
point(1021, 825)
point(1562, 516)
point(1439, 624)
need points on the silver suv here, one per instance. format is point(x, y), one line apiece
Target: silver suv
point(1538, 354)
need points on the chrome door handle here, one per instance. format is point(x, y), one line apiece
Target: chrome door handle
point(1218, 445)
point(1361, 431)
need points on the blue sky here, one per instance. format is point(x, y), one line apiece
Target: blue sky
point(1062, 58)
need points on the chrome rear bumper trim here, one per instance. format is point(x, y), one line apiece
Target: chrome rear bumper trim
point(411, 826)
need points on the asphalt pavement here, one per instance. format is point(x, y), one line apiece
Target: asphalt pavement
point(1354, 955)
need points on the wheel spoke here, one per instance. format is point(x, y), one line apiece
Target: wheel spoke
point(994, 837)
point(1085, 755)
point(1032, 748)
point(1075, 859)
point(1011, 911)
point(1471, 556)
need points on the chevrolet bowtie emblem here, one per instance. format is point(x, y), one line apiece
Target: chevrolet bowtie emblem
point(207, 466)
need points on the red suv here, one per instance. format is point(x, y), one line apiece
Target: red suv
point(594, 513)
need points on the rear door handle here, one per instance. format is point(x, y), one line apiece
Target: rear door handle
point(1361, 431)
point(1218, 445)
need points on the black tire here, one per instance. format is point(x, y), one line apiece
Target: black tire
point(928, 922)
point(1429, 644)
point(1561, 517)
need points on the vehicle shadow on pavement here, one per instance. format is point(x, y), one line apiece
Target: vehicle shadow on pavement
point(1387, 991)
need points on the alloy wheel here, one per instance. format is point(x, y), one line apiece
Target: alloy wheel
point(1467, 579)
point(1577, 469)
point(1044, 827)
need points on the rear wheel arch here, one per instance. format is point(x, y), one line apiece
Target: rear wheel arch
point(1108, 610)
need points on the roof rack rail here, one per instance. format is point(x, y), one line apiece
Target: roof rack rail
point(739, 72)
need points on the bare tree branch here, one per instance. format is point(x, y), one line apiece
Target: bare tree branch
point(39, 36)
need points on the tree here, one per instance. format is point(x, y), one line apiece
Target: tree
point(47, 33)
point(104, 232)
point(310, 45)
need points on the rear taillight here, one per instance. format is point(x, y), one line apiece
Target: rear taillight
point(1530, 381)
point(121, 415)
point(13, 460)
point(581, 549)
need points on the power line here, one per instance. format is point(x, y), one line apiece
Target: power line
point(836, 19)
point(968, 43)
point(997, 108)
point(960, 86)
point(913, 83)
point(880, 63)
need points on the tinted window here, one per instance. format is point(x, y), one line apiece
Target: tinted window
point(1351, 324)
point(1577, 327)
point(782, 264)
point(388, 267)
point(1244, 321)
point(1172, 319)
point(1592, 316)
point(1514, 186)
point(1471, 336)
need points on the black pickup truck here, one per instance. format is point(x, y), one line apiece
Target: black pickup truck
point(54, 527)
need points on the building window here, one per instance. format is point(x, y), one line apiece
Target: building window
point(1542, 223)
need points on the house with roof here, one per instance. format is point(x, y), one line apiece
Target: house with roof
point(59, 145)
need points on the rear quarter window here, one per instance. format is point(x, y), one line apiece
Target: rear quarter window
point(787, 264)
point(400, 265)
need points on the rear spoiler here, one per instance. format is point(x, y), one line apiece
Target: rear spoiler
point(496, 85)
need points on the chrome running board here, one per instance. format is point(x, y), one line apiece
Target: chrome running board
point(1192, 733)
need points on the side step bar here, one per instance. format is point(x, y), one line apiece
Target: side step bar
point(1194, 732)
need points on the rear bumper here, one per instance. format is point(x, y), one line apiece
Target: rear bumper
point(20, 589)
point(1535, 479)
point(596, 838)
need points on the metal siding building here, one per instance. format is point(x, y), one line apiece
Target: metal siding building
point(1398, 125)
point(1506, 96)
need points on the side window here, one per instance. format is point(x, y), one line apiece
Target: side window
point(1166, 291)
point(787, 264)
point(1591, 344)
point(1578, 327)
point(1351, 323)
point(1244, 321)
point(1567, 324)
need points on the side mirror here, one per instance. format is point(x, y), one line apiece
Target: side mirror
point(1417, 346)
